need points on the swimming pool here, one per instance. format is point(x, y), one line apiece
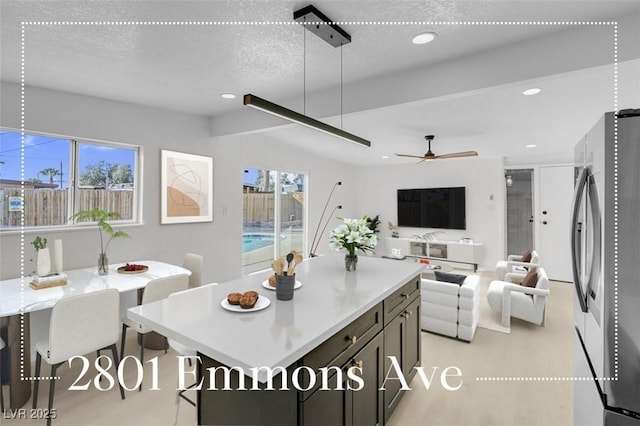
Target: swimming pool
point(254, 241)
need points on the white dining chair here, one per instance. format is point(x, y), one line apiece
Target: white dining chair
point(79, 324)
point(186, 351)
point(157, 289)
point(1, 394)
point(193, 262)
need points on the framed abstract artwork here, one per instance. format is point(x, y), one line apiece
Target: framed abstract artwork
point(186, 187)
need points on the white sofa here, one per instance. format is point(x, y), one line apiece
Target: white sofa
point(451, 309)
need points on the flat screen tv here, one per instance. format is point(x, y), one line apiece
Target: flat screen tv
point(432, 208)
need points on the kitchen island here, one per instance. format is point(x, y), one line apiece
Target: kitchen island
point(336, 319)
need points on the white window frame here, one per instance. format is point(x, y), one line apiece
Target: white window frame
point(73, 186)
point(277, 208)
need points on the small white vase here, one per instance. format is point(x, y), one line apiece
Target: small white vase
point(57, 256)
point(43, 263)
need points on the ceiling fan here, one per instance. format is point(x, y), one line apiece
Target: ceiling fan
point(431, 156)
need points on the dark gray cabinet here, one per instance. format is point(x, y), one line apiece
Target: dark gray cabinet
point(390, 328)
point(367, 405)
point(356, 403)
point(402, 342)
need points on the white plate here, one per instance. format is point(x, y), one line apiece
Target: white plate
point(266, 284)
point(262, 303)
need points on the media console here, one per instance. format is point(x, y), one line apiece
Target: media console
point(448, 251)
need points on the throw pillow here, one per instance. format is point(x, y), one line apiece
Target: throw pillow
point(526, 257)
point(531, 279)
point(450, 278)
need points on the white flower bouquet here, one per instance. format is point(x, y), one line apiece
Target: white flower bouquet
point(353, 234)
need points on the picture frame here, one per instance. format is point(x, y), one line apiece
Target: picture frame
point(186, 187)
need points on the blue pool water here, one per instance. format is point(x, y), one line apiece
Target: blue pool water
point(256, 241)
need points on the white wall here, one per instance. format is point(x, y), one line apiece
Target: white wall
point(91, 118)
point(257, 150)
point(84, 117)
point(219, 241)
point(483, 179)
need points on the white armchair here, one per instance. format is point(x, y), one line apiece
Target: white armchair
point(520, 300)
point(451, 309)
point(517, 264)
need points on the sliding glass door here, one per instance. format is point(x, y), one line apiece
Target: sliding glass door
point(273, 216)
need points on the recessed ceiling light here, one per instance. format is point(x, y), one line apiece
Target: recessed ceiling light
point(424, 38)
point(228, 96)
point(532, 91)
point(531, 146)
point(385, 156)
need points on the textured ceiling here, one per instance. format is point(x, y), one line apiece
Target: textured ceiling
point(181, 55)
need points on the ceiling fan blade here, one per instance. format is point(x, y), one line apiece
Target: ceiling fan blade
point(458, 154)
point(412, 156)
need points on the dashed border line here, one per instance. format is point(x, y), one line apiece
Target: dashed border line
point(24, 24)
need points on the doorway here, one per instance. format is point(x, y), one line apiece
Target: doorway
point(519, 202)
point(554, 243)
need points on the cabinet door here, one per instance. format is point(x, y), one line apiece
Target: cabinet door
point(412, 339)
point(393, 347)
point(367, 403)
point(349, 404)
point(327, 407)
point(402, 340)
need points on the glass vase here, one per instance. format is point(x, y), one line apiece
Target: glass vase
point(103, 264)
point(350, 262)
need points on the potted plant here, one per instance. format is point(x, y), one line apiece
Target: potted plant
point(43, 258)
point(373, 223)
point(101, 216)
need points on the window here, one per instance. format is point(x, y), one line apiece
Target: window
point(63, 176)
point(273, 205)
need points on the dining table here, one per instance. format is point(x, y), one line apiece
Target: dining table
point(18, 300)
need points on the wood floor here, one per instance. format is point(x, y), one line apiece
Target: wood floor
point(516, 379)
point(508, 379)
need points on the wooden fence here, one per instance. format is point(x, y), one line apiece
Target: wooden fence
point(49, 207)
point(258, 207)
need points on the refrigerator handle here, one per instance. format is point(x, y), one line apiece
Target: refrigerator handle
point(596, 231)
point(581, 183)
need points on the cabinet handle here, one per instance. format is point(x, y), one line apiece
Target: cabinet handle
point(358, 363)
point(405, 295)
point(353, 339)
point(408, 313)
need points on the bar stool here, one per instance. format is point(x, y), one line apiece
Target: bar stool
point(157, 289)
point(185, 351)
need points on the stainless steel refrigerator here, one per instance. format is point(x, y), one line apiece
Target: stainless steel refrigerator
point(606, 268)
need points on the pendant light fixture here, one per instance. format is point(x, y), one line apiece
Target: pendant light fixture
point(316, 22)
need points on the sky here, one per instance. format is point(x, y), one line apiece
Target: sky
point(42, 152)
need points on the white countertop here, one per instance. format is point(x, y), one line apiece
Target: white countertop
point(329, 299)
point(17, 297)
